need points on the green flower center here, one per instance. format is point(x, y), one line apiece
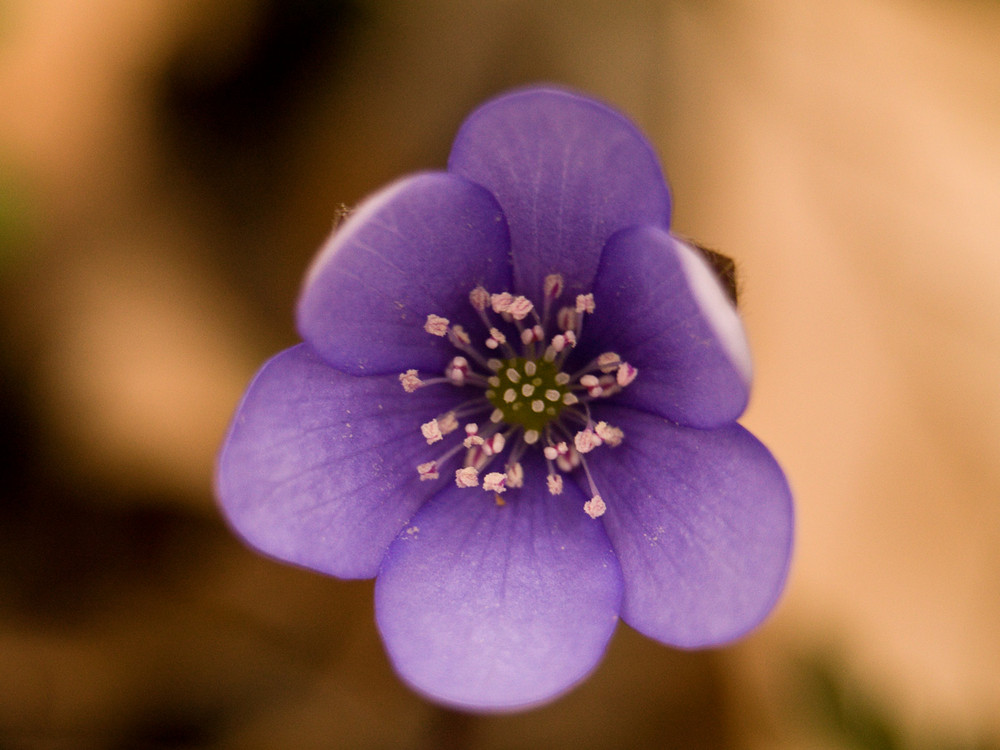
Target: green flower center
point(528, 392)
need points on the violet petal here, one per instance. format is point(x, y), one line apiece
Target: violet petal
point(702, 523)
point(568, 172)
point(658, 305)
point(417, 247)
point(319, 467)
point(496, 607)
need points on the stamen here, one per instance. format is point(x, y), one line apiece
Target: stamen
point(436, 325)
point(626, 374)
point(612, 436)
point(520, 308)
point(479, 298)
point(586, 440)
point(428, 471)
point(496, 339)
point(457, 370)
point(458, 337)
point(501, 302)
point(495, 482)
point(531, 436)
point(494, 444)
point(467, 476)
point(448, 423)
point(608, 361)
point(595, 507)
point(515, 475)
point(566, 318)
point(553, 286)
point(584, 303)
point(555, 482)
point(410, 381)
point(431, 431)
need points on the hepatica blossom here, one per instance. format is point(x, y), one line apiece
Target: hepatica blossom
point(515, 406)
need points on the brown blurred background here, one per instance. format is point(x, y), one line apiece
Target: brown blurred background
point(167, 170)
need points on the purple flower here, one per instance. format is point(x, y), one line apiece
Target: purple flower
point(515, 406)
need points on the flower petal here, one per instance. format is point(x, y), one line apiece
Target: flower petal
point(417, 247)
point(568, 172)
point(319, 467)
point(658, 304)
point(495, 607)
point(702, 523)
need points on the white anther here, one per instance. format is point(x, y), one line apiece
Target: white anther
point(566, 319)
point(467, 477)
point(494, 444)
point(558, 342)
point(527, 389)
point(479, 298)
point(510, 395)
point(456, 370)
point(495, 482)
point(494, 381)
point(531, 436)
point(552, 394)
point(428, 471)
point(472, 440)
point(493, 364)
point(562, 448)
point(496, 338)
point(496, 417)
point(550, 354)
point(555, 483)
point(436, 325)
point(501, 302)
point(457, 336)
point(431, 431)
point(589, 381)
point(448, 423)
point(570, 398)
point(569, 461)
point(513, 375)
point(608, 361)
point(586, 440)
point(550, 452)
point(570, 338)
point(527, 336)
point(520, 308)
point(611, 435)
point(410, 381)
point(515, 476)
point(530, 368)
point(585, 303)
point(595, 507)
point(626, 374)
point(553, 285)
point(538, 406)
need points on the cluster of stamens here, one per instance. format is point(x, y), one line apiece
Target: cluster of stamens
point(528, 399)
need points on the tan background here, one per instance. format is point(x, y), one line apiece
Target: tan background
point(167, 169)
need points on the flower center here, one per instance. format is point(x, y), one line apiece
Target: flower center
point(528, 392)
point(528, 400)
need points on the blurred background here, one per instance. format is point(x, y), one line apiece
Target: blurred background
point(169, 167)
